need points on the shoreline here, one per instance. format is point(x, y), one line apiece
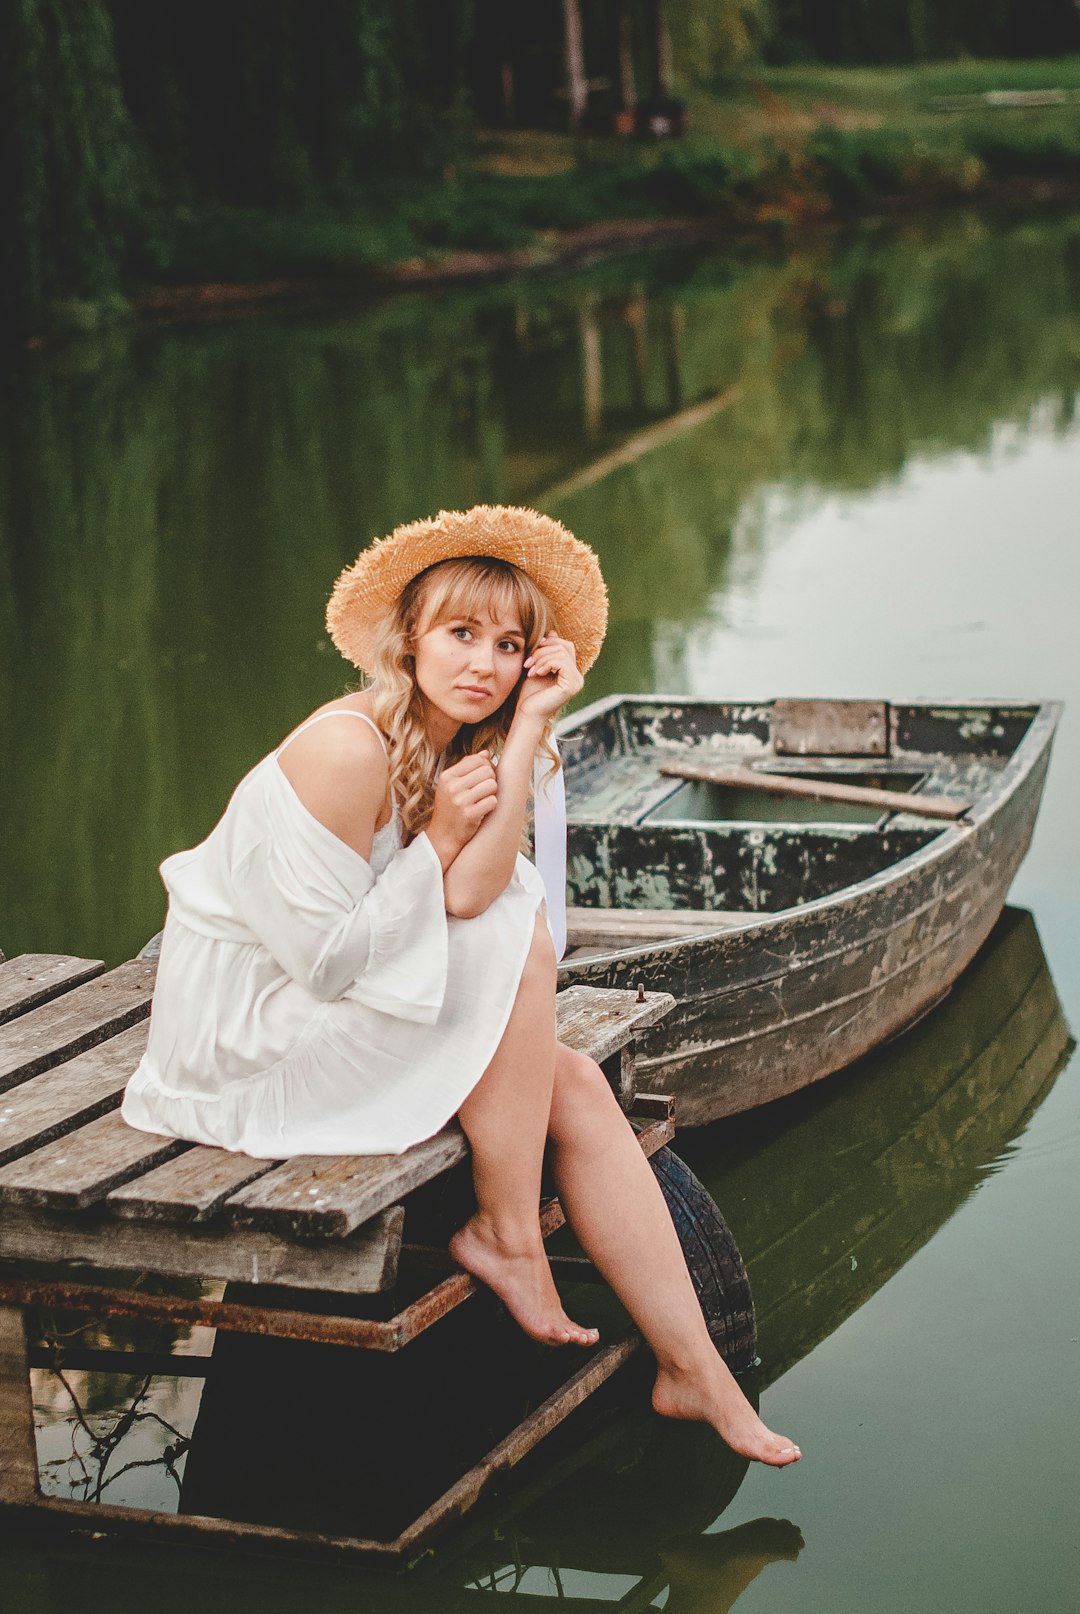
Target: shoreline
point(558, 252)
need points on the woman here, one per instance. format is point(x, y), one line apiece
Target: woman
point(358, 951)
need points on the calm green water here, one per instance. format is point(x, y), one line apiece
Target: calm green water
point(882, 497)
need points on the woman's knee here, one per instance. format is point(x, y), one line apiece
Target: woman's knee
point(582, 1093)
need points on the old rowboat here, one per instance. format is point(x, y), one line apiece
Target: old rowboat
point(795, 932)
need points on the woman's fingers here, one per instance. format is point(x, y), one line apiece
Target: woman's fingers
point(477, 762)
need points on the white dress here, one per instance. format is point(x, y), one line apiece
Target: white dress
point(309, 1001)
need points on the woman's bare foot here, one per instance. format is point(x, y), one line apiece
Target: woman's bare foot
point(522, 1280)
point(710, 1395)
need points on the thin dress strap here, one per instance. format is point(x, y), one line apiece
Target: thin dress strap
point(345, 711)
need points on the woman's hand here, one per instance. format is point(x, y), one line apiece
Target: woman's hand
point(467, 792)
point(551, 678)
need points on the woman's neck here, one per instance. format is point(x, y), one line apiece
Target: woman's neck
point(441, 730)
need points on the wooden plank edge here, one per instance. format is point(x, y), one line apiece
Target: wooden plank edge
point(365, 1264)
point(30, 1196)
point(317, 1328)
point(80, 1044)
point(508, 1452)
point(296, 1220)
point(201, 1528)
point(18, 1447)
point(135, 1200)
point(87, 970)
point(61, 1127)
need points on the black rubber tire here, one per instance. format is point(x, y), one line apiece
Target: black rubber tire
point(713, 1258)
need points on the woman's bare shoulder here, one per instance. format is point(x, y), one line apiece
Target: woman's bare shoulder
point(340, 771)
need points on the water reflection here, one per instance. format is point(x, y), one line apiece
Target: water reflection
point(830, 1194)
point(174, 502)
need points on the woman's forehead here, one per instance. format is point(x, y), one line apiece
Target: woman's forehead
point(487, 616)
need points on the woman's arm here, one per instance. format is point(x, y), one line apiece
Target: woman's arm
point(482, 870)
point(483, 867)
point(383, 940)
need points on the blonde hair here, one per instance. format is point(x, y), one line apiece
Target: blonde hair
point(449, 589)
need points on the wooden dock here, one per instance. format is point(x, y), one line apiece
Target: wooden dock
point(344, 1251)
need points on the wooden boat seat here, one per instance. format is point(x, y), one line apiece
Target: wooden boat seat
point(599, 928)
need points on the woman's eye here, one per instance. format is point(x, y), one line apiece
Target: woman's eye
point(461, 633)
point(510, 645)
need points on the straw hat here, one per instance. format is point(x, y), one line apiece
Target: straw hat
point(564, 569)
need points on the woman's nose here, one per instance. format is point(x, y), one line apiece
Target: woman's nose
point(483, 656)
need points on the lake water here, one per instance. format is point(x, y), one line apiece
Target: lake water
point(851, 471)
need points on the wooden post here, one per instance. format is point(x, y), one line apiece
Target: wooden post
point(592, 373)
point(507, 76)
point(624, 118)
point(662, 46)
point(18, 1449)
point(577, 88)
point(676, 326)
point(636, 317)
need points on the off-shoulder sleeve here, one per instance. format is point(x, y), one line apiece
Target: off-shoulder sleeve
point(316, 906)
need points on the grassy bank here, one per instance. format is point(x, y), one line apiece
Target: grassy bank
point(766, 154)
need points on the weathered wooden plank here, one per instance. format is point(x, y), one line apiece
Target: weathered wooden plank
point(786, 784)
point(363, 1264)
point(835, 728)
point(316, 1196)
point(466, 1492)
point(204, 1530)
point(75, 1021)
point(61, 1099)
point(598, 1021)
point(622, 927)
point(35, 978)
point(75, 1171)
point(18, 1449)
point(192, 1187)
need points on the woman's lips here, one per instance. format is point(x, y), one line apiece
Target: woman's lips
point(475, 691)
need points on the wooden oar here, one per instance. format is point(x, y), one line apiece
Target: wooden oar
point(784, 784)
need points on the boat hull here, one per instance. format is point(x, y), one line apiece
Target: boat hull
point(769, 1008)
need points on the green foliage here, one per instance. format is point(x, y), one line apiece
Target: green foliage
point(847, 31)
point(76, 177)
point(710, 37)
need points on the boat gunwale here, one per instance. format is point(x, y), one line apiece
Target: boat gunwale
point(1034, 744)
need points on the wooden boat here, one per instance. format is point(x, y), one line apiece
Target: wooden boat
point(795, 933)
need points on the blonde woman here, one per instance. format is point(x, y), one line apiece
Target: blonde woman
point(359, 951)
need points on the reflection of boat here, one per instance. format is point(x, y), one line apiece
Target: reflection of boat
point(838, 1188)
point(796, 934)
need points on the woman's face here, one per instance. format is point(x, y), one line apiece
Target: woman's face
point(467, 666)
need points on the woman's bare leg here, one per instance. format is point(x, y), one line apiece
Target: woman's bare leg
point(505, 1119)
point(616, 1208)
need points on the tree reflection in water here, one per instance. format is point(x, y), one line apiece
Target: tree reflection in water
point(175, 501)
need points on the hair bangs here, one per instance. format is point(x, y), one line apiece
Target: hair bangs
point(475, 586)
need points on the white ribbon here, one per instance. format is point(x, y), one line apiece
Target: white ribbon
point(549, 843)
